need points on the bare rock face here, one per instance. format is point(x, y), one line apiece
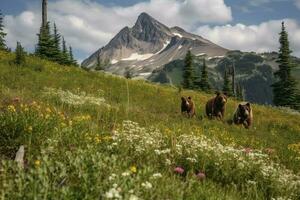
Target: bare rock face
point(147, 47)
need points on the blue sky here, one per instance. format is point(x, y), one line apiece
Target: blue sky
point(242, 18)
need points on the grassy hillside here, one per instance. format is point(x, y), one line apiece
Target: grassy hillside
point(94, 136)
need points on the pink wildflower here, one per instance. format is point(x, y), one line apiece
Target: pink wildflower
point(201, 176)
point(179, 170)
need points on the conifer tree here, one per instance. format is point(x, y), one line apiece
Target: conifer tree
point(65, 54)
point(204, 83)
point(227, 86)
point(2, 34)
point(45, 47)
point(56, 50)
point(20, 54)
point(239, 92)
point(72, 60)
point(188, 71)
point(285, 89)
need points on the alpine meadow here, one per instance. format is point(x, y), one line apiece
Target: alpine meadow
point(157, 112)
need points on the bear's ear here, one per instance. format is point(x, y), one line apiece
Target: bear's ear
point(218, 93)
point(190, 98)
point(248, 104)
point(225, 93)
point(240, 106)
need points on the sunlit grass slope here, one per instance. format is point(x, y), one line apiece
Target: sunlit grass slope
point(89, 135)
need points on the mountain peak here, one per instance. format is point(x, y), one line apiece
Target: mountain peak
point(144, 15)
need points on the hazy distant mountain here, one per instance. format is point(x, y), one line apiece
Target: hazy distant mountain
point(147, 46)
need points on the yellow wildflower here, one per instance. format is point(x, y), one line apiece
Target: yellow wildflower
point(11, 108)
point(133, 169)
point(97, 139)
point(37, 163)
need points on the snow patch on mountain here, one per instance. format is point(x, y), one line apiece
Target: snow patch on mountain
point(136, 56)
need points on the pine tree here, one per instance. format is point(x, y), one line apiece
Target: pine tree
point(188, 72)
point(239, 92)
point(20, 54)
point(204, 83)
point(227, 86)
point(72, 60)
point(65, 60)
point(2, 34)
point(56, 50)
point(285, 89)
point(45, 47)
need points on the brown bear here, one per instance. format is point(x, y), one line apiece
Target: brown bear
point(188, 106)
point(216, 107)
point(184, 105)
point(243, 115)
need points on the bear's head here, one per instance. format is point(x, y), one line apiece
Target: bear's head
point(244, 110)
point(221, 99)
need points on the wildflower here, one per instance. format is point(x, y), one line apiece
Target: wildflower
point(113, 193)
point(48, 110)
point(157, 175)
point(147, 185)
point(37, 163)
point(133, 169)
point(179, 170)
point(125, 174)
point(201, 176)
point(97, 139)
point(112, 177)
point(11, 108)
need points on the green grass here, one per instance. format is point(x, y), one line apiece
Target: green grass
point(72, 150)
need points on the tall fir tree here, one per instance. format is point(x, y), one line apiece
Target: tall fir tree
point(65, 60)
point(203, 84)
point(71, 56)
point(2, 34)
point(45, 47)
point(20, 54)
point(188, 72)
point(227, 85)
point(285, 89)
point(56, 50)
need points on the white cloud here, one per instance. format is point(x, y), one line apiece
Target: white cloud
point(88, 25)
point(260, 38)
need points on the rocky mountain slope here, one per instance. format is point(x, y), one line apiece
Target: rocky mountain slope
point(147, 46)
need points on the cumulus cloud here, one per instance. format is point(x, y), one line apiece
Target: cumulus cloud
point(260, 38)
point(88, 25)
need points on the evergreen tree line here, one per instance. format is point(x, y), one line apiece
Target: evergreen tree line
point(192, 81)
point(51, 46)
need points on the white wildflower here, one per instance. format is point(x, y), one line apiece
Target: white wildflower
point(147, 185)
